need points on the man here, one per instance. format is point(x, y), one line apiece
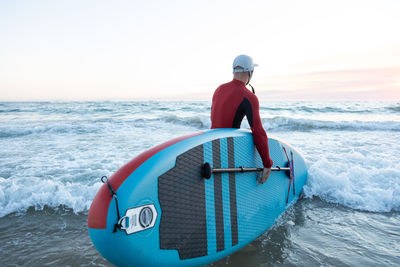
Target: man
point(232, 101)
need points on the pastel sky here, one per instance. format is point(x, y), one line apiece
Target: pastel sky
point(126, 50)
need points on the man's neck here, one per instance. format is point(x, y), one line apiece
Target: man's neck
point(241, 76)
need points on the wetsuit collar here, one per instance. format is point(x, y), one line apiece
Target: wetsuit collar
point(238, 82)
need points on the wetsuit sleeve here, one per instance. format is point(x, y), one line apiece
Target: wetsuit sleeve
point(259, 134)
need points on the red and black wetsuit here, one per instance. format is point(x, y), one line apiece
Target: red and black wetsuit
point(231, 102)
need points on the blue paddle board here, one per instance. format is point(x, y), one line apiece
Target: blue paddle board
point(160, 210)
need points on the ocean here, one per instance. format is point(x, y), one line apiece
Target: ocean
point(53, 154)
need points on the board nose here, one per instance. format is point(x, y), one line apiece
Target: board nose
point(97, 217)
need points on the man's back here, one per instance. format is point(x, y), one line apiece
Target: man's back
point(231, 102)
point(225, 105)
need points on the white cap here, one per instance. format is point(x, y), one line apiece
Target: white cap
point(245, 62)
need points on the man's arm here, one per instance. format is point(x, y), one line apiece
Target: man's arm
point(259, 134)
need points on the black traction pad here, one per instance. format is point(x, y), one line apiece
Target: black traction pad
point(181, 193)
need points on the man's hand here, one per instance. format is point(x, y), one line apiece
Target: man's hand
point(265, 174)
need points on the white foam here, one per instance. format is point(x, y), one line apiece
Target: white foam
point(17, 195)
point(306, 124)
point(196, 121)
point(362, 182)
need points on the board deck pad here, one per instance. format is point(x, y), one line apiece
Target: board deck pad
point(200, 220)
point(182, 201)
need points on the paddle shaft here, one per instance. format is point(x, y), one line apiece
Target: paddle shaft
point(207, 171)
point(243, 169)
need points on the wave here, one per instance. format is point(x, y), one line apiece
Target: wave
point(199, 122)
point(79, 127)
point(394, 108)
point(294, 124)
point(121, 106)
point(328, 109)
point(69, 108)
point(298, 124)
point(18, 195)
point(49, 128)
point(13, 110)
point(67, 127)
point(356, 185)
point(350, 108)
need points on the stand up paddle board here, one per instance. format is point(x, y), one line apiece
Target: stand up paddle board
point(193, 200)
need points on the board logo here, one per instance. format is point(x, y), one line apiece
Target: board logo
point(138, 219)
point(145, 217)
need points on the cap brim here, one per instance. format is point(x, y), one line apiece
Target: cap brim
point(255, 65)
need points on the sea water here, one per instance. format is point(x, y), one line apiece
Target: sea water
point(53, 154)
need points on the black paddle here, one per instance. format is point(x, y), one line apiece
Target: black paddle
point(206, 170)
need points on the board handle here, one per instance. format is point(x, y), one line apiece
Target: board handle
point(207, 171)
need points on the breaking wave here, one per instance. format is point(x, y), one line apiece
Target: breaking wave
point(359, 185)
point(294, 124)
point(17, 195)
point(286, 123)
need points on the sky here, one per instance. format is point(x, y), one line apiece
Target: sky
point(128, 50)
